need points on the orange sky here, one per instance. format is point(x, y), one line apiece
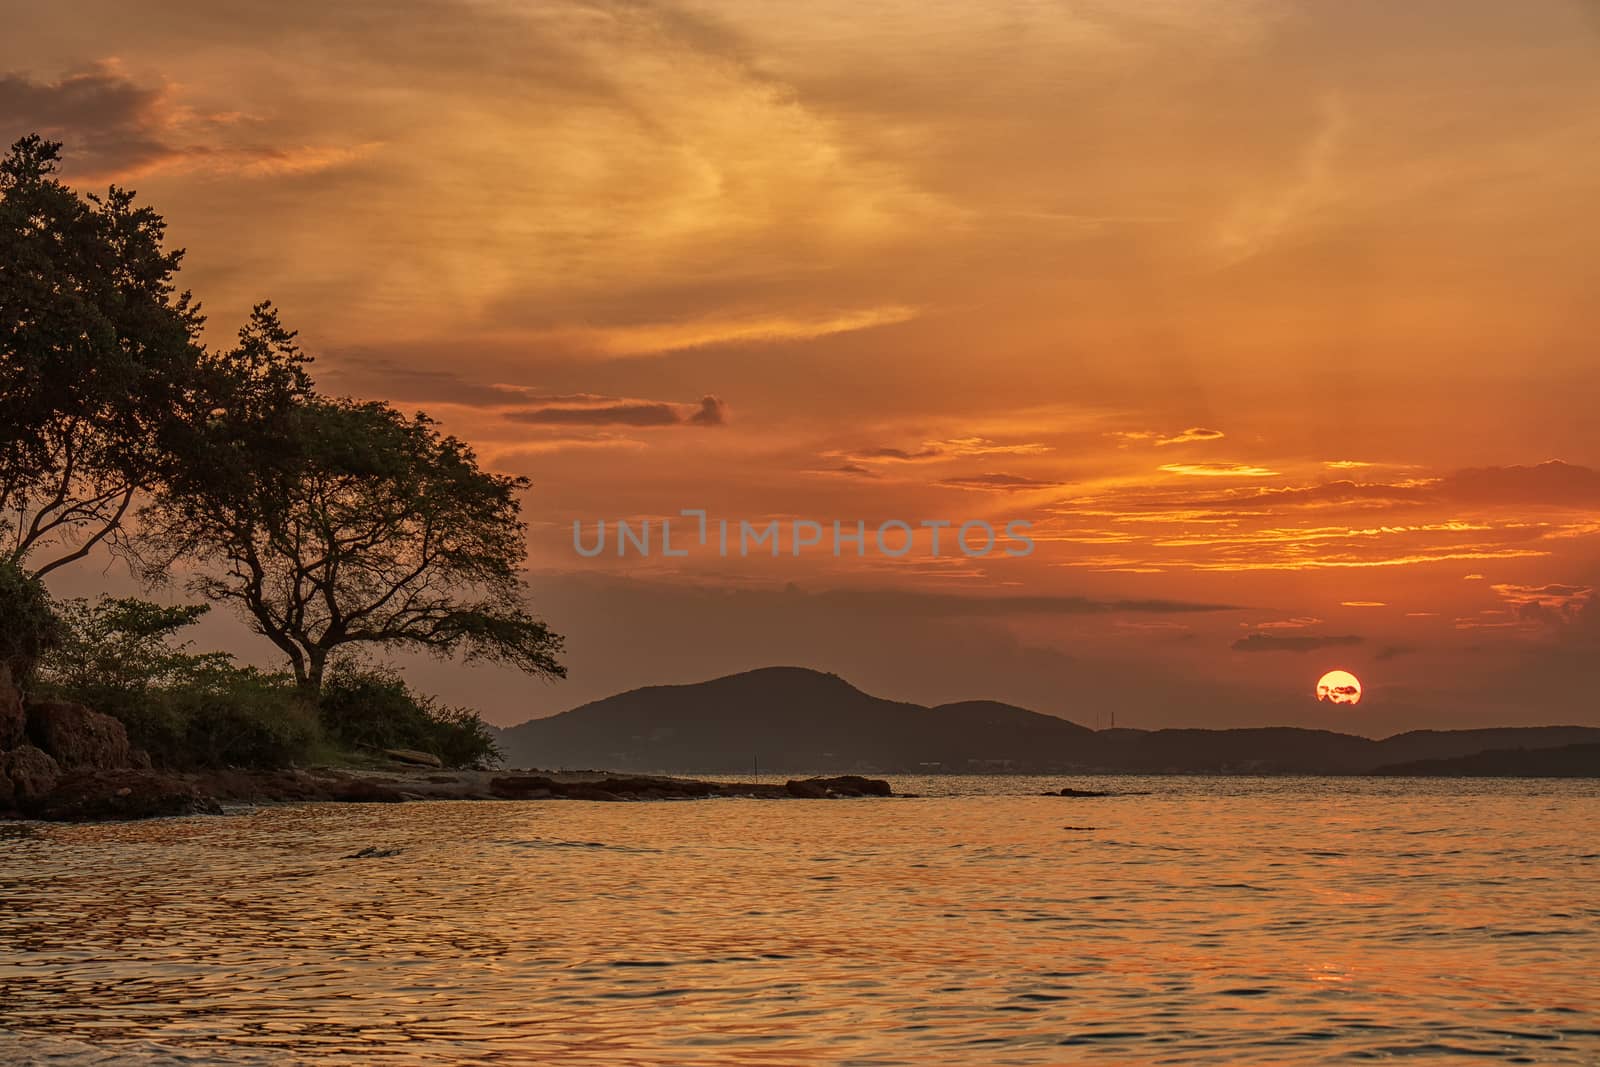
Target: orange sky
point(1277, 319)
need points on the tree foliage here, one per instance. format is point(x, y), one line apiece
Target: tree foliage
point(348, 523)
point(375, 709)
point(29, 627)
point(98, 359)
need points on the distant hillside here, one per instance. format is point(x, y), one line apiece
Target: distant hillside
point(788, 719)
point(1568, 761)
point(792, 720)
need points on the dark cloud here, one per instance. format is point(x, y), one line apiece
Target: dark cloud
point(1551, 604)
point(1388, 652)
point(898, 453)
point(631, 413)
point(713, 412)
point(998, 482)
point(853, 469)
point(1275, 643)
point(399, 383)
point(1553, 482)
point(109, 123)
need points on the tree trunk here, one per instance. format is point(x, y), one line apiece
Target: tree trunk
point(316, 666)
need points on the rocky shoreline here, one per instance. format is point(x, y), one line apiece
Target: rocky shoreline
point(64, 762)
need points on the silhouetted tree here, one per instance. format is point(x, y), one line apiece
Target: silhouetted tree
point(98, 359)
point(337, 523)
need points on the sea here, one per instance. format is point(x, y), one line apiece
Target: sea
point(1187, 920)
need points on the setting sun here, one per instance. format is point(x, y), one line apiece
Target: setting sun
point(1339, 687)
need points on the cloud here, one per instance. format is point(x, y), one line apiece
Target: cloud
point(1553, 603)
point(660, 338)
point(951, 448)
point(955, 605)
point(1290, 624)
point(1553, 482)
point(1183, 437)
point(713, 412)
point(1000, 483)
point(853, 469)
point(114, 128)
point(1363, 604)
point(900, 454)
point(111, 123)
point(1218, 470)
point(584, 410)
point(1272, 643)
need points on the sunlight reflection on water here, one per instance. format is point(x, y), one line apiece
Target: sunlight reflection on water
point(1213, 921)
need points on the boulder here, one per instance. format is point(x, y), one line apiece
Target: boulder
point(852, 785)
point(413, 757)
point(31, 771)
point(8, 794)
point(805, 790)
point(78, 738)
point(13, 721)
point(94, 795)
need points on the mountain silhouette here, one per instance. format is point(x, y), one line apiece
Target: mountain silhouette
point(797, 720)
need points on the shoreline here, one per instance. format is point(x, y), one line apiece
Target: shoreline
point(120, 795)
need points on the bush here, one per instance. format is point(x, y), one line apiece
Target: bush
point(375, 709)
point(120, 657)
point(29, 627)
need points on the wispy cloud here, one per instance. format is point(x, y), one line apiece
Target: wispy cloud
point(1219, 470)
point(999, 482)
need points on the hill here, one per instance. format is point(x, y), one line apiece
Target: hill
point(795, 720)
point(1567, 761)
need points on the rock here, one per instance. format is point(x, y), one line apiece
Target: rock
point(852, 785)
point(93, 795)
point(1068, 791)
point(585, 791)
point(8, 793)
point(413, 757)
point(373, 852)
point(806, 790)
point(362, 791)
point(140, 760)
point(31, 771)
point(77, 737)
point(13, 721)
point(660, 787)
point(522, 787)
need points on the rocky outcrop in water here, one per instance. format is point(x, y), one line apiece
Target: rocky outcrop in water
point(94, 795)
point(43, 743)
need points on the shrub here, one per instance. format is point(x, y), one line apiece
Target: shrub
point(29, 627)
point(375, 709)
point(121, 657)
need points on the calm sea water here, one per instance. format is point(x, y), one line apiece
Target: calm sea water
point(1226, 921)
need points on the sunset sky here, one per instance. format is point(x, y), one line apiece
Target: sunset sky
point(1277, 319)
